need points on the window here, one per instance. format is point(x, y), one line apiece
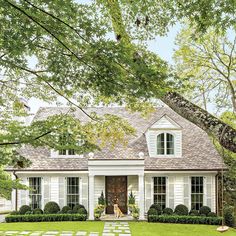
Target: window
point(160, 191)
point(165, 144)
point(196, 192)
point(72, 191)
point(35, 192)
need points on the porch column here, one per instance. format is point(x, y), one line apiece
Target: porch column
point(91, 197)
point(141, 196)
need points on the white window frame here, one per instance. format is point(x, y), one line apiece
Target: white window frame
point(41, 188)
point(165, 144)
point(80, 189)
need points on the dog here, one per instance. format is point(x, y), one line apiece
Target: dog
point(118, 213)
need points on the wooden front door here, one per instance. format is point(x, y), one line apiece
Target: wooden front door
point(116, 192)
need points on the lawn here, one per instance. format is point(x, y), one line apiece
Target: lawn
point(160, 229)
point(137, 229)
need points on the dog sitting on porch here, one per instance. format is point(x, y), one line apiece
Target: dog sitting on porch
point(118, 213)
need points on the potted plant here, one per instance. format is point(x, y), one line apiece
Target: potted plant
point(131, 202)
point(102, 203)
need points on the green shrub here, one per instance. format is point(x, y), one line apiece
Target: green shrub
point(152, 211)
point(204, 210)
point(77, 207)
point(70, 212)
point(24, 209)
point(28, 213)
point(13, 213)
point(82, 211)
point(37, 211)
point(65, 209)
point(168, 211)
point(181, 210)
point(194, 213)
point(229, 216)
point(51, 208)
point(101, 199)
point(185, 219)
point(45, 217)
point(131, 200)
point(212, 214)
point(157, 207)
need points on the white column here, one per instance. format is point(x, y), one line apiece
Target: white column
point(91, 197)
point(141, 196)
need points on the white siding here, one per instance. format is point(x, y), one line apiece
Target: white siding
point(179, 189)
point(165, 123)
point(54, 189)
point(132, 185)
point(5, 205)
point(99, 186)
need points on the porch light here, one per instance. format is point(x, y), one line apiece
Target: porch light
point(91, 155)
point(141, 155)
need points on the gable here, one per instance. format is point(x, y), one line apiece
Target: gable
point(165, 122)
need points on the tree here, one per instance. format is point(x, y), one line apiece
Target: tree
point(209, 62)
point(75, 59)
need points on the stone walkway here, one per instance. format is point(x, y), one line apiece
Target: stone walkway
point(110, 229)
point(116, 229)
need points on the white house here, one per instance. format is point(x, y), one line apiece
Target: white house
point(170, 161)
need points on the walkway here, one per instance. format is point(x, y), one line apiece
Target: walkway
point(116, 229)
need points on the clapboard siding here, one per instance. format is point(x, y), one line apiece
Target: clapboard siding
point(54, 189)
point(148, 192)
point(165, 123)
point(99, 186)
point(5, 205)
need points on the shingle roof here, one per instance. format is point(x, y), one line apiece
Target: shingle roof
point(198, 152)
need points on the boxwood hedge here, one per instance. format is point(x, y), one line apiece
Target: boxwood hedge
point(185, 219)
point(45, 217)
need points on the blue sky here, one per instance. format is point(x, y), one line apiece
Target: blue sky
point(163, 46)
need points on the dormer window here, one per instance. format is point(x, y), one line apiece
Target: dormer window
point(165, 144)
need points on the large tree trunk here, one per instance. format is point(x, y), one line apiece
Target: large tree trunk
point(224, 133)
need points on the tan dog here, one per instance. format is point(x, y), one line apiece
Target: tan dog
point(118, 213)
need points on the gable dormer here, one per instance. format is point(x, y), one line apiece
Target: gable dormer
point(164, 138)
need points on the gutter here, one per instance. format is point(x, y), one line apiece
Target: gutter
point(16, 193)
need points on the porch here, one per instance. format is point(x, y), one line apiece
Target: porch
point(116, 178)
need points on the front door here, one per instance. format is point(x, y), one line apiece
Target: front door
point(116, 192)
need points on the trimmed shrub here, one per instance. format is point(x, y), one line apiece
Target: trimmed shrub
point(13, 213)
point(152, 211)
point(65, 209)
point(157, 207)
point(212, 214)
point(168, 211)
point(101, 199)
point(51, 208)
point(194, 213)
point(82, 211)
point(37, 211)
point(24, 209)
point(229, 216)
point(185, 219)
point(45, 217)
point(181, 210)
point(70, 212)
point(204, 210)
point(77, 207)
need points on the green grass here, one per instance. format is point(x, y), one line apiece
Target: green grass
point(137, 228)
point(160, 229)
point(57, 226)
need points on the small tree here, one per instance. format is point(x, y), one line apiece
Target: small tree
point(131, 198)
point(101, 199)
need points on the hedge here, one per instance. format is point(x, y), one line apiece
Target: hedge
point(45, 217)
point(185, 219)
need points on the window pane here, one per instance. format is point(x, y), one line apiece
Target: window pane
point(72, 191)
point(161, 144)
point(160, 191)
point(35, 191)
point(196, 192)
point(169, 144)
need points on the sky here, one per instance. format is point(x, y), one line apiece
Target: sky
point(163, 46)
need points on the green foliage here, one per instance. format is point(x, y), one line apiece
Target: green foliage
point(37, 211)
point(23, 209)
point(157, 207)
point(185, 219)
point(181, 210)
point(70, 212)
point(168, 211)
point(51, 208)
point(152, 211)
point(135, 212)
point(101, 199)
point(194, 213)
point(14, 213)
point(82, 211)
point(212, 214)
point(204, 210)
point(131, 200)
point(77, 207)
point(65, 209)
point(229, 216)
point(98, 210)
point(45, 217)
